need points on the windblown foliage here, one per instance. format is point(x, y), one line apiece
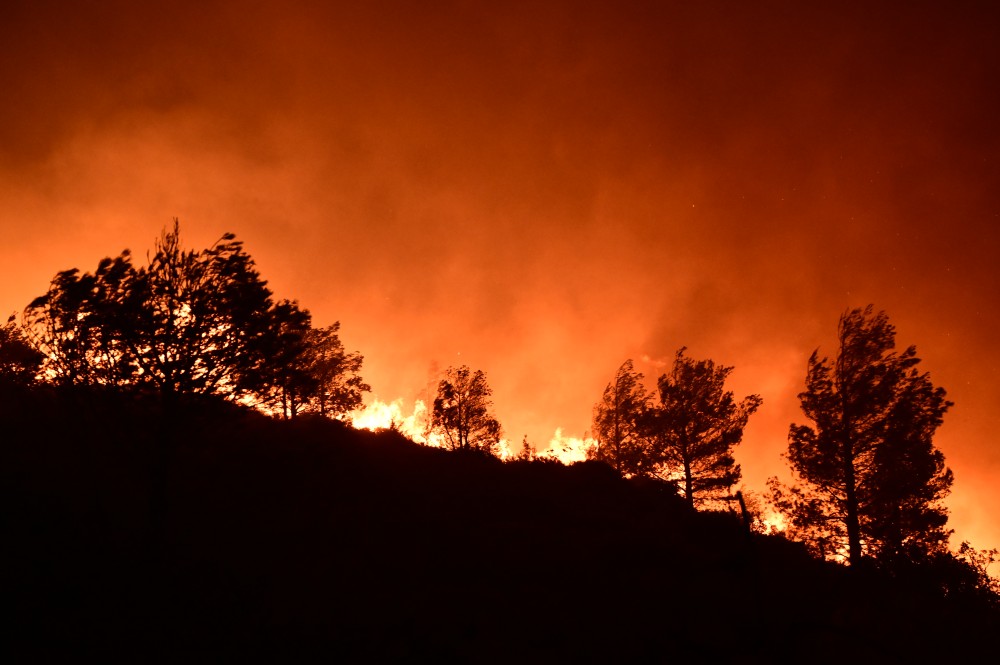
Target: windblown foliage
point(462, 412)
point(190, 322)
point(19, 361)
point(619, 424)
point(696, 426)
point(687, 437)
point(870, 481)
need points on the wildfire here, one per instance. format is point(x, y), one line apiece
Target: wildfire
point(568, 449)
point(379, 415)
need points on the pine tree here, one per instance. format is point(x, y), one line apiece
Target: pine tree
point(619, 423)
point(696, 426)
point(462, 412)
point(870, 481)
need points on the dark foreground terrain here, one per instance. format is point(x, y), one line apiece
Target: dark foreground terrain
point(131, 532)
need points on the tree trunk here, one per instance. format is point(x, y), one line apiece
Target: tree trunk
point(618, 434)
point(851, 491)
point(688, 482)
point(851, 520)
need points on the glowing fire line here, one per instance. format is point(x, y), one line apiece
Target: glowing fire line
point(379, 415)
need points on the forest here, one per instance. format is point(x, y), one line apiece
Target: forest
point(181, 479)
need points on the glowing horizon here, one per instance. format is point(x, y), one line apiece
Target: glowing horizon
point(543, 192)
point(378, 415)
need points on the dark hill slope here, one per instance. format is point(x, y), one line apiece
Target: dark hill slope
point(280, 538)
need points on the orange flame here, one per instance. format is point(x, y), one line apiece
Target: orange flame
point(379, 415)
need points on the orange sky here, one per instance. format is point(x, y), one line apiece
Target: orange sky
point(544, 190)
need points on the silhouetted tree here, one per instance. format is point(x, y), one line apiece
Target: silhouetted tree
point(190, 322)
point(306, 369)
point(619, 424)
point(199, 321)
point(979, 562)
point(462, 411)
point(75, 325)
point(19, 361)
point(870, 481)
point(696, 426)
point(337, 384)
point(281, 381)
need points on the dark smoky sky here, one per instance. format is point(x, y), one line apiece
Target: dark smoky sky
point(542, 189)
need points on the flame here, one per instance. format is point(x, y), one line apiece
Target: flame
point(414, 424)
point(568, 449)
point(381, 415)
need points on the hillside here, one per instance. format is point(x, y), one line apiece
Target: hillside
point(281, 538)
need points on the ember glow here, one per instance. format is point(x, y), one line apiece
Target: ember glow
point(378, 415)
point(542, 190)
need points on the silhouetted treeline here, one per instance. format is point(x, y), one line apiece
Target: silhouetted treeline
point(868, 482)
point(188, 322)
point(687, 436)
point(151, 512)
point(282, 537)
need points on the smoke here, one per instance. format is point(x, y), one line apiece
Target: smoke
point(540, 191)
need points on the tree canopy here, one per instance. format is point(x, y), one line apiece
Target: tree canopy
point(696, 425)
point(686, 437)
point(19, 361)
point(190, 322)
point(75, 325)
point(869, 480)
point(620, 423)
point(462, 413)
point(310, 371)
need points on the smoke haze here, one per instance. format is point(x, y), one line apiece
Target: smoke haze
point(542, 190)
